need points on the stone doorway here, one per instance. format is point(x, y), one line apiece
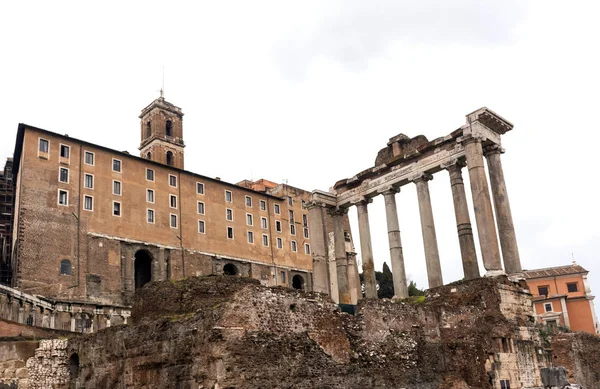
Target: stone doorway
point(298, 282)
point(230, 270)
point(143, 268)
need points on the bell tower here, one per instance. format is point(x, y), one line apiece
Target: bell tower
point(162, 133)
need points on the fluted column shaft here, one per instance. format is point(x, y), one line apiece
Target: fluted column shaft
point(484, 216)
point(341, 260)
point(432, 256)
point(366, 250)
point(395, 242)
point(506, 228)
point(463, 222)
point(318, 240)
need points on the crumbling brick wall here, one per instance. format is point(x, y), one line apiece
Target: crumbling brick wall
point(579, 354)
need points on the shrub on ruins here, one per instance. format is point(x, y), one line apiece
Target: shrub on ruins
point(413, 290)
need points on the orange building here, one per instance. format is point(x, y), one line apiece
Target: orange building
point(562, 297)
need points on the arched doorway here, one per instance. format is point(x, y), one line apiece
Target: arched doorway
point(230, 270)
point(73, 367)
point(142, 268)
point(298, 282)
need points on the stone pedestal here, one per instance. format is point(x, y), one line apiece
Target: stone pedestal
point(506, 228)
point(463, 221)
point(395, 242)
point(366, 250)
point(484, 216)
point(432, 256)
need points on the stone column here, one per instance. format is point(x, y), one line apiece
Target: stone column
point(432, 256)
point(366, 249)
point(353, 279)
point(506, 229)
point(341, 260)
point(318, 241)
point(463, 221)
point(486, 229)
point(396, 255)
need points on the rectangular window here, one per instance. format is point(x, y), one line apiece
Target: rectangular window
point(88, 181)
point(248, 201)
point(294, 246)
point(548, 307)
point(200, 208)
point(116, 165)
point(149, 174)
point(305, 233)
point(88, 203)
point(305, 220)
point(199, 188)
point(251, 237)
point(150, 216)
point(150, 196)
point(173, 181)
point(117, 187)
point(543, 290)
point(116, 208)
point(201, 227)
point(276, 209)
point(504, 384)
point(572, 287)
point(263, 223)
point(229, 232)
point(229, 214)
point(292, 229)
point(249, 220)
point(290, 201)
point(303, 204)
point(63, 174)
point(65, 151)
point(265, 239)
point(44, 146)
point(263, 205)
point(278, 226)
point(173, 221)
point(279, 243)
point(291, 216)
point(228, 196)
point(89, 158)
point(282, 277)
point(306, 249)
point(172, 201)
point(63, 197)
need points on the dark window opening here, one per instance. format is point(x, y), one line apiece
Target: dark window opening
point(64, 151)
point(149, 155)
point(65, 267)
point(169, 158)
point(572, 288)
point(143, 268)
point(504, 384)
point(73, 367)
point(543, 290)
point(169, 128)
point(298, 282)
point(230, 270)
point(148, 129)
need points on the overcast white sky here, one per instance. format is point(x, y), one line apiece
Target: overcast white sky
point(310, 91)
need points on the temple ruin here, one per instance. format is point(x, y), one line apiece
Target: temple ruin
point(415, 160)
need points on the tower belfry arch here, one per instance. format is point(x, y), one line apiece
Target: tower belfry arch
point(162, 133)
point(415, 160)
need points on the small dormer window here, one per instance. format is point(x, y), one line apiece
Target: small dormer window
point(148, 129)
point(169, 158)
point(169, 128)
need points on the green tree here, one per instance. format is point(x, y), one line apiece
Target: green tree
point(413, 290)
point(386, 282)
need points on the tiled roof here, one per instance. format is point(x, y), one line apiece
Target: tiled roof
point(554, 271)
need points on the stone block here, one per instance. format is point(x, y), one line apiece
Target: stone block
point(554, 376)
point(22, 372)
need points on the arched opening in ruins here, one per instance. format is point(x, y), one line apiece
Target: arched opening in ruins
point(143, 268)
point(298, 282)
point(230, 270)
point(73, 367)
point(169, 128)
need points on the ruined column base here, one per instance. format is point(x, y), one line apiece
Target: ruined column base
point(495, 273)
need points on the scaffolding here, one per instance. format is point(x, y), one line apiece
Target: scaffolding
point(6, 218)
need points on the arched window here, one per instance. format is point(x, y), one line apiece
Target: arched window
point(148, 129)
point(169, 158)
point(65, 267)
point(149, 155)
point(298, 282)
point(169, 128)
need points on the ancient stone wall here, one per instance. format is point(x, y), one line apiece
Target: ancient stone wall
point(579, 354)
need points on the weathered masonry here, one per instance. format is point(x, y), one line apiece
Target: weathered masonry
point(414, 161)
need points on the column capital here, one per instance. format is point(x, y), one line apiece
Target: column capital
point(390, 190)
point(454, 165)
point(337, 211)
point(363, 201)
point(314, 204)
point(492, 149)
point(422, 177)
point(470, 138)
